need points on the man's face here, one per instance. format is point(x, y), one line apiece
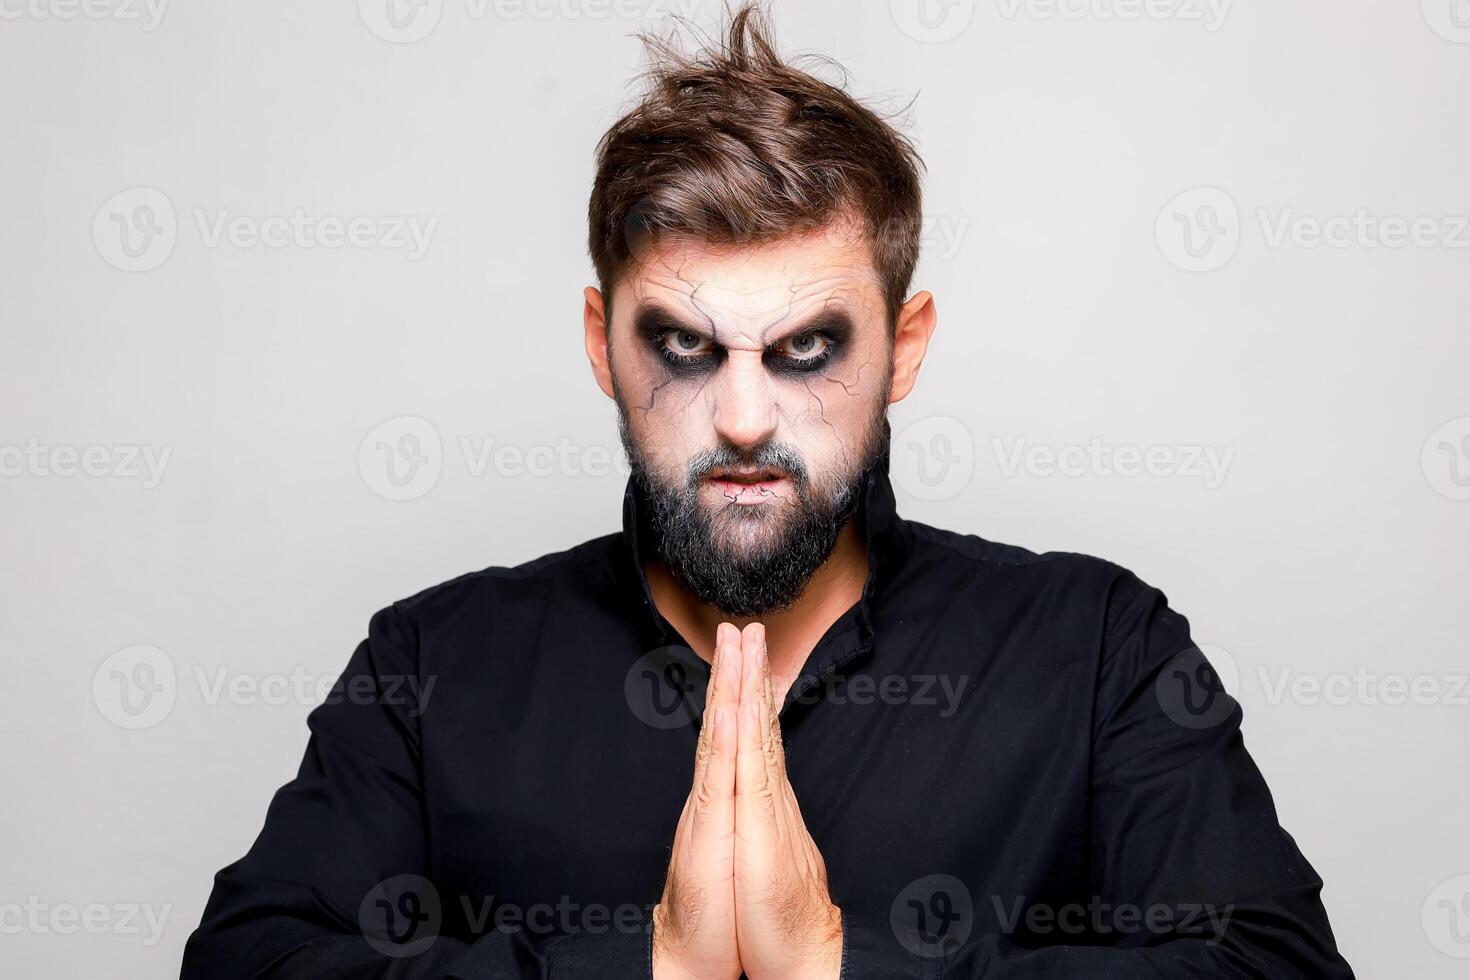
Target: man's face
point(752, 388)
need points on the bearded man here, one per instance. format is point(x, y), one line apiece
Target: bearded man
point(769, 728)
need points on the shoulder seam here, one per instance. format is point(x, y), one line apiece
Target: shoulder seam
point(917, 530)
point(511, 572)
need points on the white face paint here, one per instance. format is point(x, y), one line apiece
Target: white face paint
point(783, 347)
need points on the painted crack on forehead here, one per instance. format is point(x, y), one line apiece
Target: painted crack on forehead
point(676, 280)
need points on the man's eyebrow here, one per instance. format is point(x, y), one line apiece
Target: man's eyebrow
point(651, 318)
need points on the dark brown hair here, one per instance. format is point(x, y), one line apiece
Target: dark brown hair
point(733, 146)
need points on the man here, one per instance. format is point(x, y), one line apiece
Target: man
point(770, 728)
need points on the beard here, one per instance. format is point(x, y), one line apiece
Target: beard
point(750, 560)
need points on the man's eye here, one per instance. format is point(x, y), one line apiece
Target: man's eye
point(684, 343)
point(804, 346)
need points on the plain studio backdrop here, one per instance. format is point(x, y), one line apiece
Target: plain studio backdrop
point(290, 323)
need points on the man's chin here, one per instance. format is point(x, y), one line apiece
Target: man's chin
point(743, 532)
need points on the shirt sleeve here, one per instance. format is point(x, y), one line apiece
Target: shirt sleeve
point(338, 884)
point(1192, 874)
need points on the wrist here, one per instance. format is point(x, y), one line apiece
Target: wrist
point(666, 965)
point(829, 959)
point(822, 951)
point(669, 953)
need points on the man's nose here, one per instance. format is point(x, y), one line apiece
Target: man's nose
point(745, 413)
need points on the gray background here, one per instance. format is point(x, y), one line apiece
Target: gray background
point(1069, 148)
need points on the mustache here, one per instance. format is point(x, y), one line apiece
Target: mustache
point(769, 455)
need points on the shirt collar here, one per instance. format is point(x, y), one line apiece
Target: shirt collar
point(850, 636)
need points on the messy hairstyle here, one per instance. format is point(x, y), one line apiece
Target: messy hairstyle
point(732, 146)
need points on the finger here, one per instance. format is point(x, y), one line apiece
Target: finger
point(771, 718)
point(725, 660)
point(706, 723)
point(752, 785)
point(772, 748)
point(725, 678)
point(716, 781)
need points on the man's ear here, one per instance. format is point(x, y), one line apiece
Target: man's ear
point(595, 327)
point(917, 319)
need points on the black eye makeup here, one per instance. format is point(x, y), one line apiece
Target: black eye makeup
point(685, 349)
point(800, 353)
point(688, 351)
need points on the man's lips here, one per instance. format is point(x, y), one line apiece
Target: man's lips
point(747, 486)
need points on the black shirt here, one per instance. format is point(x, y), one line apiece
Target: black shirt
point(1015, 765)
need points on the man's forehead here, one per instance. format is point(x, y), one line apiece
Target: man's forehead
point(760, 286)
point(752, 306)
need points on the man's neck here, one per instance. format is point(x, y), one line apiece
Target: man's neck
point(791, 634)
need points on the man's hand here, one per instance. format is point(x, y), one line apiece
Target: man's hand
point(786, 924)
point(694, 923)
point(747, 887)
